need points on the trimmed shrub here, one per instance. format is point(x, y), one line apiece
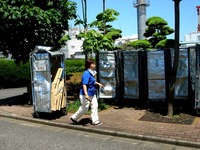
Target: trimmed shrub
point(12, 75)
point(140, 44)
point(166, 43)
point(73, 66)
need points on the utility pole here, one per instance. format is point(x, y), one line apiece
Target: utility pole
point(104, 23)
point(104, 5)
point(141, 16)
point(84, 11)
point(176, 57)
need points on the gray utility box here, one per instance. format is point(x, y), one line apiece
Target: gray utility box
point(48, 80)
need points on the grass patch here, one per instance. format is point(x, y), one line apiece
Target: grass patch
point(74, 106)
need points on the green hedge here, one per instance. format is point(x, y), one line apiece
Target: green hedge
point(12, 75)
point(73, 66)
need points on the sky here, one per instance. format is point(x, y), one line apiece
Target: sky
point(127, 20)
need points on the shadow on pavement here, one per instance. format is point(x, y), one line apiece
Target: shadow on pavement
point(23, 99)
point(49, 116)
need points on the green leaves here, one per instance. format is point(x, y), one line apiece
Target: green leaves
point(166, 43)
point(24, 24)
point(104, 38)
point(157, 30)
point(144, 44)
point(64, 39)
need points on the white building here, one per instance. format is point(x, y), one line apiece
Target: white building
point(126, 39)
point(73, 46)
point(191, 39)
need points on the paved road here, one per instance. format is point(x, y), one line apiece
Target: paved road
point(7, 93)
point(21, 135)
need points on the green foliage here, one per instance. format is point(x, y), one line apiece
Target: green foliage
point(102, 105)
point(74, 106)
point(24, 24)
point(144, 44)
point(105, 36)
point(157, 30)
point(73, 66)
point(101, 23)
point(74, 69)
point(75, 62)
point(12, 75)
point(64, 39)
point(166, 43)
point(103, 18)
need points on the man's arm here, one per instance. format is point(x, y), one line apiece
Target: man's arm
point(85, 92)
point(99, 84)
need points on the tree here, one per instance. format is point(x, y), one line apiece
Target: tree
point(144, 44)
point(176, 58)
point(157, 30)
point(104, 36)
point(166, 43)
point(94, 41)
point(24, 24)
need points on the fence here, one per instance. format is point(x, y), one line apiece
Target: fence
point(145, 75)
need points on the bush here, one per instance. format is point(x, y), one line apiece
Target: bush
point(167, 43)
point(73, 84)
point(144, 44)
point(73, 66)
point(12, 75)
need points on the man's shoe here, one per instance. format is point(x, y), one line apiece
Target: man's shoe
point(97, 124)
point(74, 121)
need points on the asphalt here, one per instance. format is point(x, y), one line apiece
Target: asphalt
point(23, 135)
point(8, 93)
point(114, 124)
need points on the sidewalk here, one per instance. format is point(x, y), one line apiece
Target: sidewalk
point(125, 121)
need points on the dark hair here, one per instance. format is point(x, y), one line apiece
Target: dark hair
point(88, 63)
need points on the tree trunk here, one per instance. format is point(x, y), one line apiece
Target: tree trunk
point(176, 59)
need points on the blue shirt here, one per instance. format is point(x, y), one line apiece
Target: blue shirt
point(89, 80)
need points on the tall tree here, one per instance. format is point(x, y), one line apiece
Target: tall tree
point(102, 20)
point(176, 57)
point(157, 30)
point(103, 37)
point(24, 24)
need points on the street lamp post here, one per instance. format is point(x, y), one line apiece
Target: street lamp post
point(176, 57)
point(104, 5)
point(84, 9)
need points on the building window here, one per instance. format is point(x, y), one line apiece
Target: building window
point(73, 47)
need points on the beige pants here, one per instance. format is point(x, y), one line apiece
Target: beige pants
point(85, 106)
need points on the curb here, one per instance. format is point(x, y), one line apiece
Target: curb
point(106, 132)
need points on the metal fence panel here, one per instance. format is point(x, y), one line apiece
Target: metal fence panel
point(192, 64)
point(197, 82)
point(107, 74)
point(131, 78)
point(181, 87)
point(156, 75)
